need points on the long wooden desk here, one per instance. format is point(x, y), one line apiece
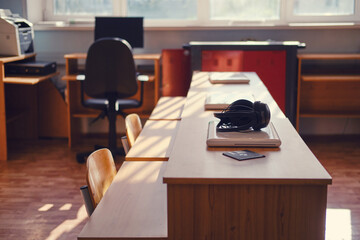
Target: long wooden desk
point(210, 196)
point(74, 66)
point(24, 97)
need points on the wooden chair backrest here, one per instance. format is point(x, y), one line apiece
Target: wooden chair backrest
point(133, 128)
point(101, 171)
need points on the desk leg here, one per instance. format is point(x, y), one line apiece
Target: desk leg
point(73, 99)
point(157, 80)
point(3, 139)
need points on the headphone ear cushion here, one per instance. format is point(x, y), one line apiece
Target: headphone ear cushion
point(241, 104)
point(263, 115)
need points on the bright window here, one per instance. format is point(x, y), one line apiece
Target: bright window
point(204, 13)
point(82, 7)
point(324, 7)
point(163, 9)
point(245, 10)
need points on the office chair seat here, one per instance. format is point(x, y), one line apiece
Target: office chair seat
point(102, 104)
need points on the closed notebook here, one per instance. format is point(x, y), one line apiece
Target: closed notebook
point(266, 137)
point(228, 77)
point(220, 101)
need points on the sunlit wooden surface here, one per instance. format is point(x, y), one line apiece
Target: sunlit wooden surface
point(155, 141)
point(134, 206)
point(40, 196)
point(168, 108)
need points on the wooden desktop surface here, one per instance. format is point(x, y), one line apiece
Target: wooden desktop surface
point(192, 161)
point(134, 206)
point(155, 141)
point(143, 56)
point(168, 108)
point(28, 80)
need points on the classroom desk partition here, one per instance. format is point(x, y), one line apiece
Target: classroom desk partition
point(211, 196)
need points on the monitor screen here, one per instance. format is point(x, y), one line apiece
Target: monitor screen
point(128, 28)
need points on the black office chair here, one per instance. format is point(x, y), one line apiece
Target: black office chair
point(110, 77)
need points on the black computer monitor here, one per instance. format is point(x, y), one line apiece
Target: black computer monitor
point(129, 28)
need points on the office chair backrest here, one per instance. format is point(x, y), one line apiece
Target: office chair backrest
point(133, 128)
point(101, 171)
point(110, 69)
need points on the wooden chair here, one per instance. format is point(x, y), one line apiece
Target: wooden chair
point(133, 128)
point(101, 171)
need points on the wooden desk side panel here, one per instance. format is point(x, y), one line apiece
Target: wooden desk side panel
point(22, 101)
point(330, 97)
point(246, 212)
point(3, 138)
point(52, 118)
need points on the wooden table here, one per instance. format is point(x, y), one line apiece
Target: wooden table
point(20, 98)
point(210, 196)
point(155, 141)
point(74, 65)
point(134, 206)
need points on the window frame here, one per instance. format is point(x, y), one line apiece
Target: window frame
point(287, 18)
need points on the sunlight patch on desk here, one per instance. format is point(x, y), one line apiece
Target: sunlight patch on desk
point(46, 207)
point(338, 224)
point(151, 149)
point(192, 108)
point(144, 173)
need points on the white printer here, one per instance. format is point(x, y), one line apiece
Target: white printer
point(16, 34)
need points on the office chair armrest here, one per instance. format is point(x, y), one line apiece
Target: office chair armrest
point(143, 78)
point(80, 77)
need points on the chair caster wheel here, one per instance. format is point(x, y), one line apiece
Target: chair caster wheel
point(80, 158)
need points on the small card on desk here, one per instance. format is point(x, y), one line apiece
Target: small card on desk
point(243, 155)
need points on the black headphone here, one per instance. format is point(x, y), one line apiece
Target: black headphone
point(243, 114)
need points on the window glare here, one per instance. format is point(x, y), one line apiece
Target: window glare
point(163, 9)
point(245, 10)
point(83, 7)
point(324, 7)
